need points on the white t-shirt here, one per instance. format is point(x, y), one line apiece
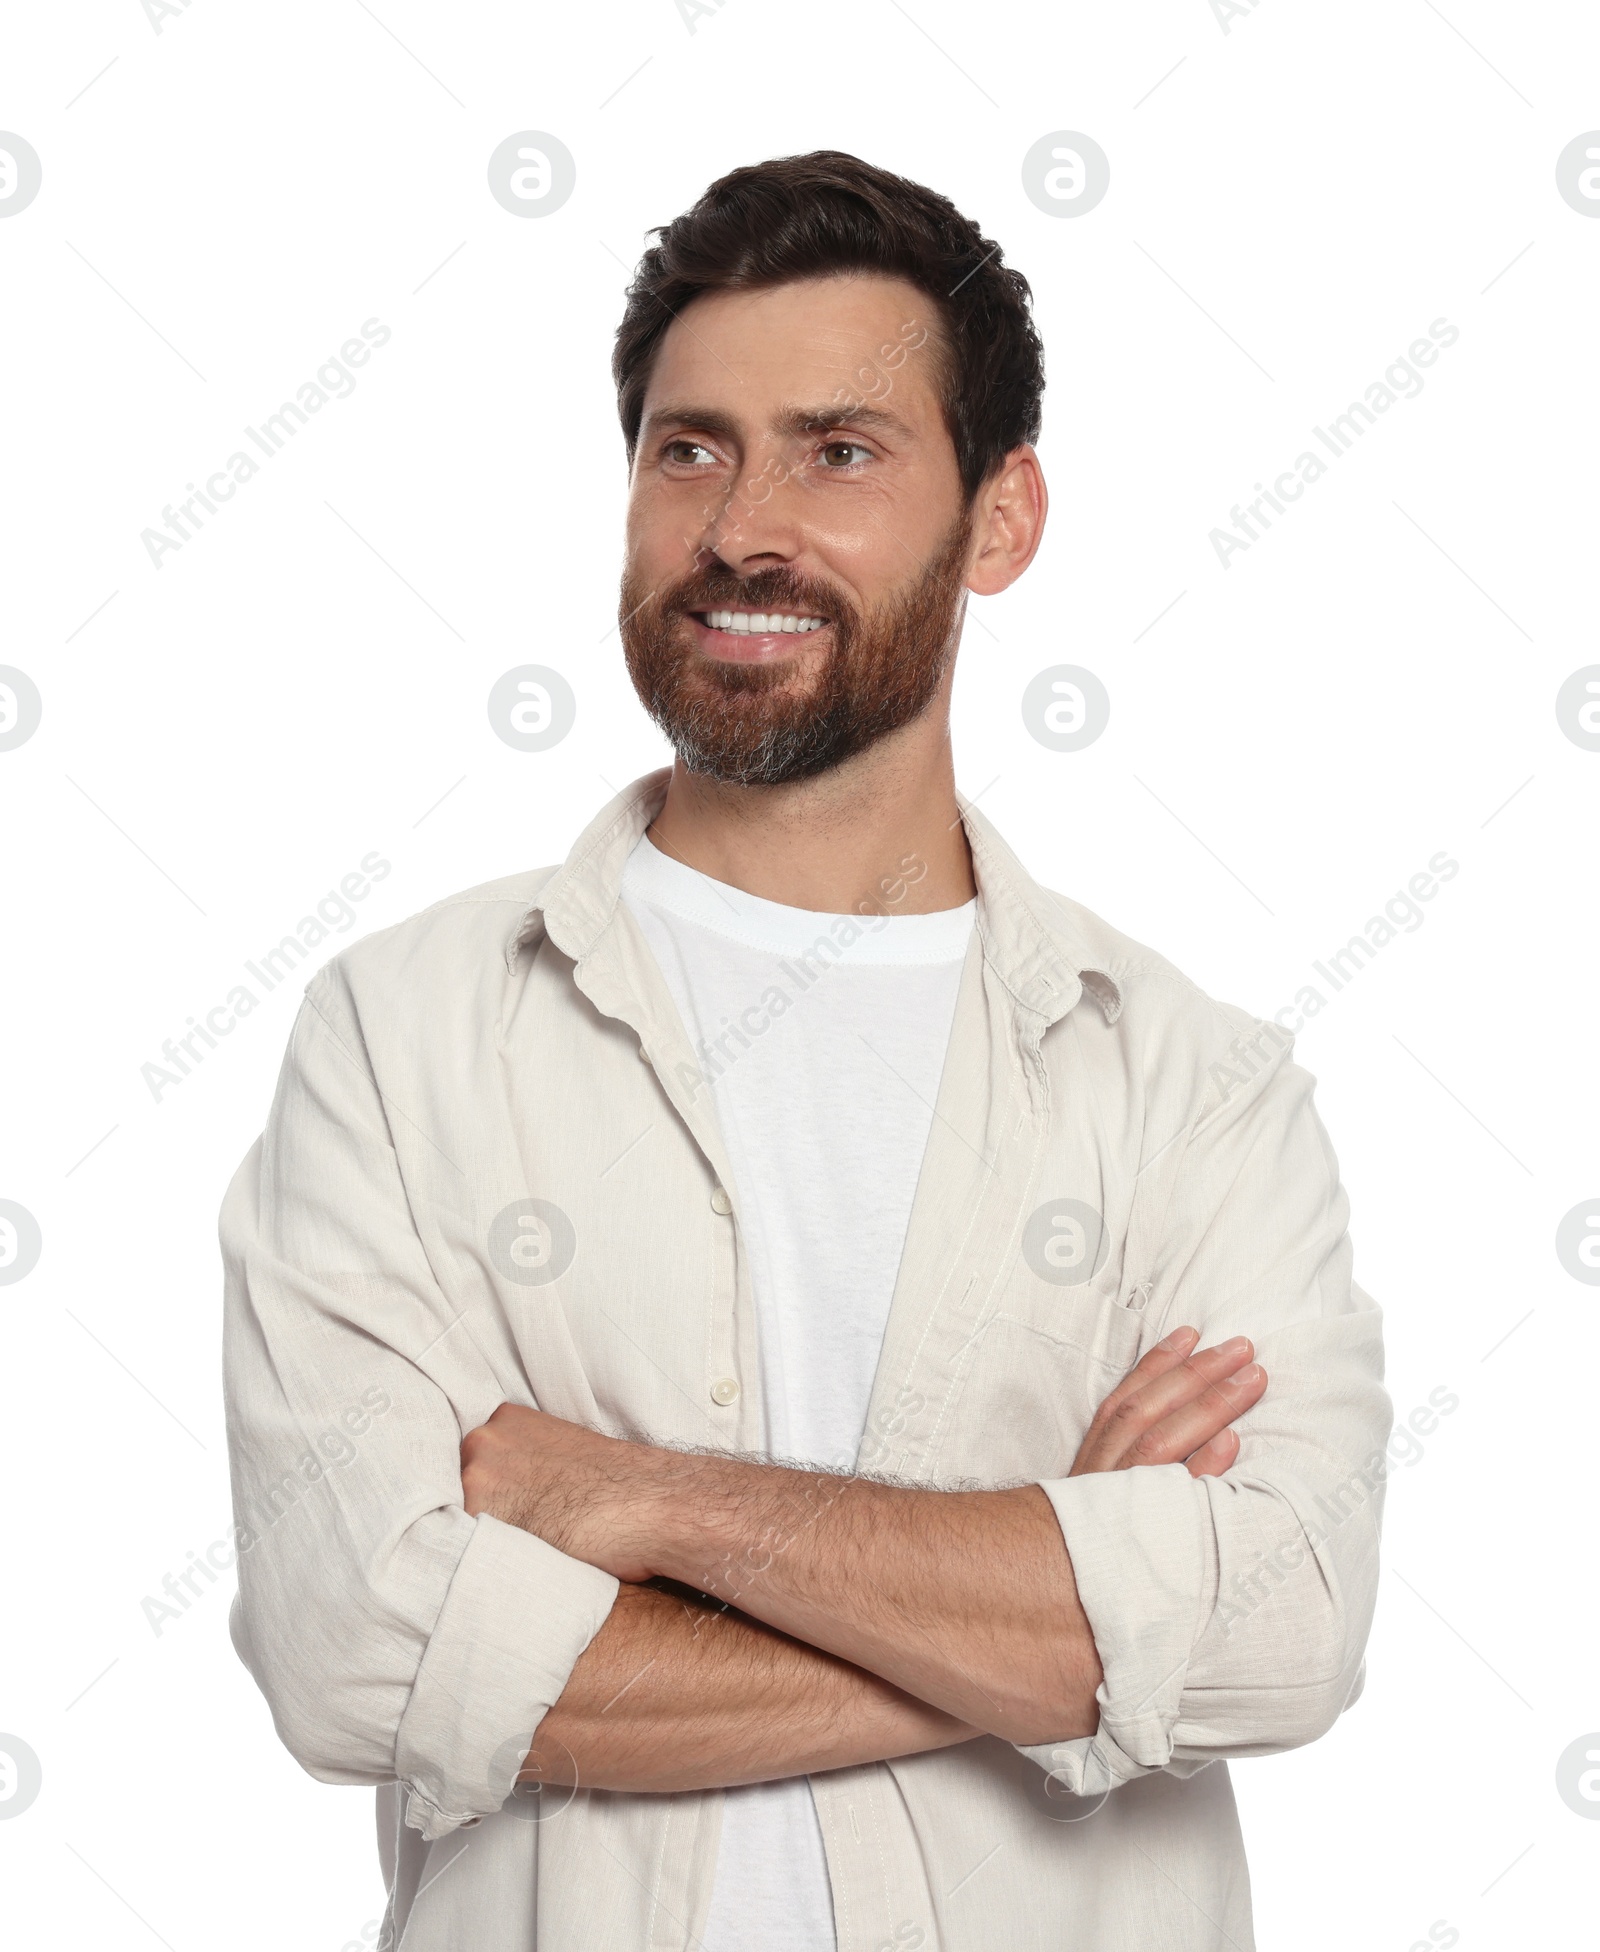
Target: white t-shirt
point(823, 1038)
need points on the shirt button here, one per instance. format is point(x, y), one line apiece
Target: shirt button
point(724, 1390)
point(644, 1055)
point(720, 1203)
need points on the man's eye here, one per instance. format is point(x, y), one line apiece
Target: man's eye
point(840, 454)
point(684, 452)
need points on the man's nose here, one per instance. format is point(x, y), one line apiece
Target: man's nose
point(758, 524)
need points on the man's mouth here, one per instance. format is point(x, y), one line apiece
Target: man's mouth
point(759, 623)
point(754, 636)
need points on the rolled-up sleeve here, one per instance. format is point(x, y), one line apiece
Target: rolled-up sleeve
point(394, 1637)
point(1231, 1613)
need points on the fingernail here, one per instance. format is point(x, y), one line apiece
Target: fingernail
point(1245, 1377)
point(1234, 1346)
point(1181, 1338)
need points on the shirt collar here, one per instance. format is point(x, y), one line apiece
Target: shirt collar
point(1029, 938)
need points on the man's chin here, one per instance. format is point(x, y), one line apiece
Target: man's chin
point(741, 736)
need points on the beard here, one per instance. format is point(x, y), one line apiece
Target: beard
point(759, 724)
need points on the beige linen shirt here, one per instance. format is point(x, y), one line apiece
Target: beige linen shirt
point(492, 1173)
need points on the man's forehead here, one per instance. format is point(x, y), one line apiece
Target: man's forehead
point(813, 342)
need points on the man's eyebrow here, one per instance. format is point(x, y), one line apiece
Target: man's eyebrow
point(816, 420)
point(705, 420)
point(795, 421)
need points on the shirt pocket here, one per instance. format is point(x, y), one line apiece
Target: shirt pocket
point(1047, 1354)
point(1074, 1279)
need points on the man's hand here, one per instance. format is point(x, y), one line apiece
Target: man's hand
point(1175, 1407)
point(588, 1495)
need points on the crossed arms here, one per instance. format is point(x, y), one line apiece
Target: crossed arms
point(821, 1621)
point(410, 1610)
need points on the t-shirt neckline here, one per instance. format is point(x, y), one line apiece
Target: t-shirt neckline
point(665, 883)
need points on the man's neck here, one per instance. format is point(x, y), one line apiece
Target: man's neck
point(879, 834)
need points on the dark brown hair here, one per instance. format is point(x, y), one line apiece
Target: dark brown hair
point(809, 216)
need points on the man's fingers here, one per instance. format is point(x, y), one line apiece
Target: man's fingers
point(1181, 1382)
point(1126, 1416)
point(1186, 1429)
point(1166, 1356)
point(1175, 1406)
point(1212, 1459)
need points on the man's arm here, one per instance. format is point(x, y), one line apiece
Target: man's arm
point(394, 1638)
point(678, 1692)
point(961, 1605)
point(1231, 1613)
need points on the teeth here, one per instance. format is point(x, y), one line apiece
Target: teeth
point(750, 622)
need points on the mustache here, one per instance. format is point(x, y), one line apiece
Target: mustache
point(768, 589)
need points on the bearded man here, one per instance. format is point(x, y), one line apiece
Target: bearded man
point(792, 1285)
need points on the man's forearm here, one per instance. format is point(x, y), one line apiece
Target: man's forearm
point(965, 1600)
point(675, 1693)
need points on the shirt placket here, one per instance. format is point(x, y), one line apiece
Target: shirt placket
point(619, 976)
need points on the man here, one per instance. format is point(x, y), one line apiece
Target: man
point(782, 1290)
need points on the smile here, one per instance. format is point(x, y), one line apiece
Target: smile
point(759, 623)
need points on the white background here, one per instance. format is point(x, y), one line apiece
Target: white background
point(305, 681)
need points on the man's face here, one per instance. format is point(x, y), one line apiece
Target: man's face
point(797, 536)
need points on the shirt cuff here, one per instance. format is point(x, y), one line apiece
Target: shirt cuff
point(1136, 1541)
point(514, 1621)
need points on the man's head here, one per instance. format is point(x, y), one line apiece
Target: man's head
point(829, 386)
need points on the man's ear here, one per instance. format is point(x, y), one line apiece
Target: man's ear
point(1008, 522)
